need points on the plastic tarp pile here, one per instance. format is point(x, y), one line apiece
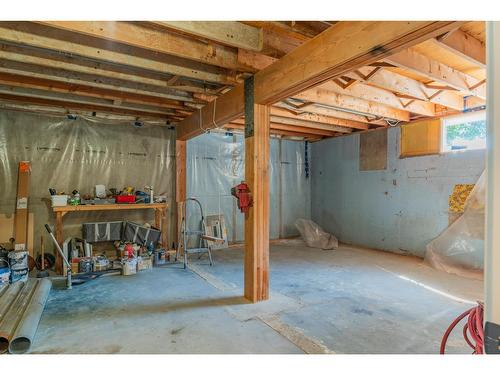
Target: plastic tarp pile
point(69, 154)
point(315, 236)
point(216, 162)
point(460, 248)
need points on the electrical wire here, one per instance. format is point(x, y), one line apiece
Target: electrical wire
point(472, 331)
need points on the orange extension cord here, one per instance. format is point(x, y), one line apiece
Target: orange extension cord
point(473, 327)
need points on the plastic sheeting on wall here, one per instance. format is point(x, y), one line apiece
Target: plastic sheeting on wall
point(460, 248)
point(215, 163)
point(78, 154)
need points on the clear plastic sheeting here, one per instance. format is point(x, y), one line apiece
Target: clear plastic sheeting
point(459, 249)
point(69, 154)
point(216, 163)
point(314, 236)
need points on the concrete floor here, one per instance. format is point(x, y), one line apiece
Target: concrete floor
point(348, 300)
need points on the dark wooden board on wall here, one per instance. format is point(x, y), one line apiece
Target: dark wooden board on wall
point(373, 150)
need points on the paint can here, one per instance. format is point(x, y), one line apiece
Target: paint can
point(4, 275)
point(129, 266)
point(159, 257)
point(18, 259)
point(85, 265)
point(20, 274)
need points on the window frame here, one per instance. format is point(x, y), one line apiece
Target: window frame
point(455, 120)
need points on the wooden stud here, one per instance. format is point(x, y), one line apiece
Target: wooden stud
point(257, 219)
point(180, 186)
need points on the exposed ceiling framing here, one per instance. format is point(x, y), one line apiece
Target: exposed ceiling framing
point(165, 72)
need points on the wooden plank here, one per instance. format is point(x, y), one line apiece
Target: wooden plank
point(78, 68)
point(338, 50)
point(180, 171)
point(85, 90)
point(10, 32)
point(82, 106)
point(318, 118)
point(343, 47)
point(465, 45)
point(439, 72)
point(229, 33)
point(301, 128)
point(110, 207)
point(378, 95)
point(257, 219)
point(155, 40)
point(22, 208)
point(347, 102)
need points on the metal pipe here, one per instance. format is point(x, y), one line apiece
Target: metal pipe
point(14, 314)
point(68, 265)
point(26, 329)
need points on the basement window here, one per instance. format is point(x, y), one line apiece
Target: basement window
point(464, 132)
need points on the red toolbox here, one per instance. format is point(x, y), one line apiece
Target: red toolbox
point(125, 199)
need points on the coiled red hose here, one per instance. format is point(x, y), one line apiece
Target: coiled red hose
point(473, 331)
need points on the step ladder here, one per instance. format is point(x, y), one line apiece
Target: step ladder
point(204, 241)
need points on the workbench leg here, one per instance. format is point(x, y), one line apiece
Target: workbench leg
point(60, 241)
point(158, 224)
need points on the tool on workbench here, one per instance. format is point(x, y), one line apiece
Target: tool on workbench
point(204, 240)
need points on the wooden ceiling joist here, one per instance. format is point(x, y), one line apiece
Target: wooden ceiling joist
point(137, 35)
point(229, 33)
point(398, 83)
point(26, 35)
point(353, 104)
point(341, 48)
point(466, 45)
point(79, 106)
point(439, 72)
point(60, 86)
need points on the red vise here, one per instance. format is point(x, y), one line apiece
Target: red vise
point(242, 193)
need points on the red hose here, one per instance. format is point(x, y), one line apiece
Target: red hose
point(473, 330)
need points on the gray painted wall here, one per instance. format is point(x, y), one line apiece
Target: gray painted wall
point(398, 209)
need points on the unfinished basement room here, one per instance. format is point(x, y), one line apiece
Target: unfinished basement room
point(249, 187)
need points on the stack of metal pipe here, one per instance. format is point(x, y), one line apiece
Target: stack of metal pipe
point(21, 308)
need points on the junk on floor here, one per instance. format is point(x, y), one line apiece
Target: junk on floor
point(459, 249)
point(21, 307)
point(314, 236)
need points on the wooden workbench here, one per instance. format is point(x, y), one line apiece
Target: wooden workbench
point(160, 219)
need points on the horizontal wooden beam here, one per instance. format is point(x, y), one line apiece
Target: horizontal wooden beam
point(350, 103)
point(80, 106)
point(24, 35)
point(155, 40)
point(439, 72)
point(382, 96)
point(341, 48)
point(317, 118)
point(229, 33)
point(279, 128)
point(59, 86)
point(403, 85)
point(465, 45)
point(100, 71)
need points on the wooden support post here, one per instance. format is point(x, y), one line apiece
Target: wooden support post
point(21, 217)
point(257, 124)
point(492, 248)
point(180, 185)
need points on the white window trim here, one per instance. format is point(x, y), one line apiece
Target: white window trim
point(457, 119)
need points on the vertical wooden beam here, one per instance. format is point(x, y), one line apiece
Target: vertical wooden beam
point(60, 240)
point(180, 184)
point(492, 246)
point(257, 124)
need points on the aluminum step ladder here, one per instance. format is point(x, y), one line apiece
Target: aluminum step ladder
point(185, 232)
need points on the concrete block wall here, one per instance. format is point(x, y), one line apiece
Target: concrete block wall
point(399, 209)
